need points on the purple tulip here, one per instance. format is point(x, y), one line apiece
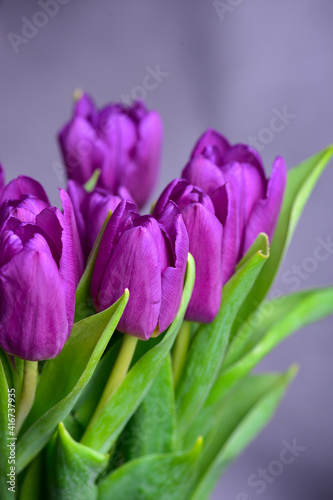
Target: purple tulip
point(123, 142)
point(24, 187)
point(148, 257)
point(91, 210)
point(37, 275)
point(245, 201)
point(205, 244)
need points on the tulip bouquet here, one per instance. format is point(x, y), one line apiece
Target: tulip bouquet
point(128, 340)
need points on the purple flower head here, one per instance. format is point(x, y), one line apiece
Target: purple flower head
point(123, 142)
point(149, 258)
point(37, 273)
point(91, 210)
point(205, 244)
point(245, 201)
point(24, 188)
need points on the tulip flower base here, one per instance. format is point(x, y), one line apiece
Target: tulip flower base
point(128, 341)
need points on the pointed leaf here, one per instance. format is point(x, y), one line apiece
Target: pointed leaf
point(166, 477)
point(151, 430)
point(126, 399)
point(72, 468)
point(292, 313)
point(300, 183)
point(240, 418)
point(88, 401)
point(208, 346)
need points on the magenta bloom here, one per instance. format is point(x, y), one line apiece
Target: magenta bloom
point(245, 201)
point(149, 258)
point(123, 142)
point(91, 210)
point(37, 272)
point(23, 187)
point(205, 244)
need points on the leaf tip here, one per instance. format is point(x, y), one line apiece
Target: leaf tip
point(126, 294)
point(264, 251)
point(198, 445)
point(292, 372)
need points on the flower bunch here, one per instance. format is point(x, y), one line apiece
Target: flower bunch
point(147, 324)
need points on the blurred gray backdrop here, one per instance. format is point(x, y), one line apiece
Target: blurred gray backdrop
point(230, 65)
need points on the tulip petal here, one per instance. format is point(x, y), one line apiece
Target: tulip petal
point(95, 207)
point(205, 237)
point(243, 153)
point(77, 194)
point(124, 194)
point(85, 107)
point(226, 211)
point(124, 211)
point(173, 276)
point(71, 247)
point(266, 212)
point(10, 245)
point(119, 135)
point(212, 146)
point(48, 221)
point(84, 152)
point(140, 176)
point(164, 197)
point(163, 244)
point(24, 185)
point(204, 174)
point(31, 284)
point(134, 265)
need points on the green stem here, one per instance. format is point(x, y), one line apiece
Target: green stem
point(117, 375)
point(179, 352)
point(28, 391)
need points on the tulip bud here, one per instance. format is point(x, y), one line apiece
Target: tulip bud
point(205, 244)
point(123, 142)
point(245, 201)
point(37, 275)
point(149, 258)
point(28, 189)
point(91, 210)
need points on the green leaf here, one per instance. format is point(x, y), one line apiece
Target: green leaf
point(300, 183)
point(151, 430)
point(18, 372)
point(210, 341)
point(32, 488)
point(88, 401)
point(127, 398)
point(290, 314)
point(7, 368)
point(91, 183)
point(64, 378)
point(72, 468)
point(239, 418)
point(83, 302)
point(4, 435)
point(162, 477)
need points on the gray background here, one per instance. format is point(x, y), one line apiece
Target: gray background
point(229, 74)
